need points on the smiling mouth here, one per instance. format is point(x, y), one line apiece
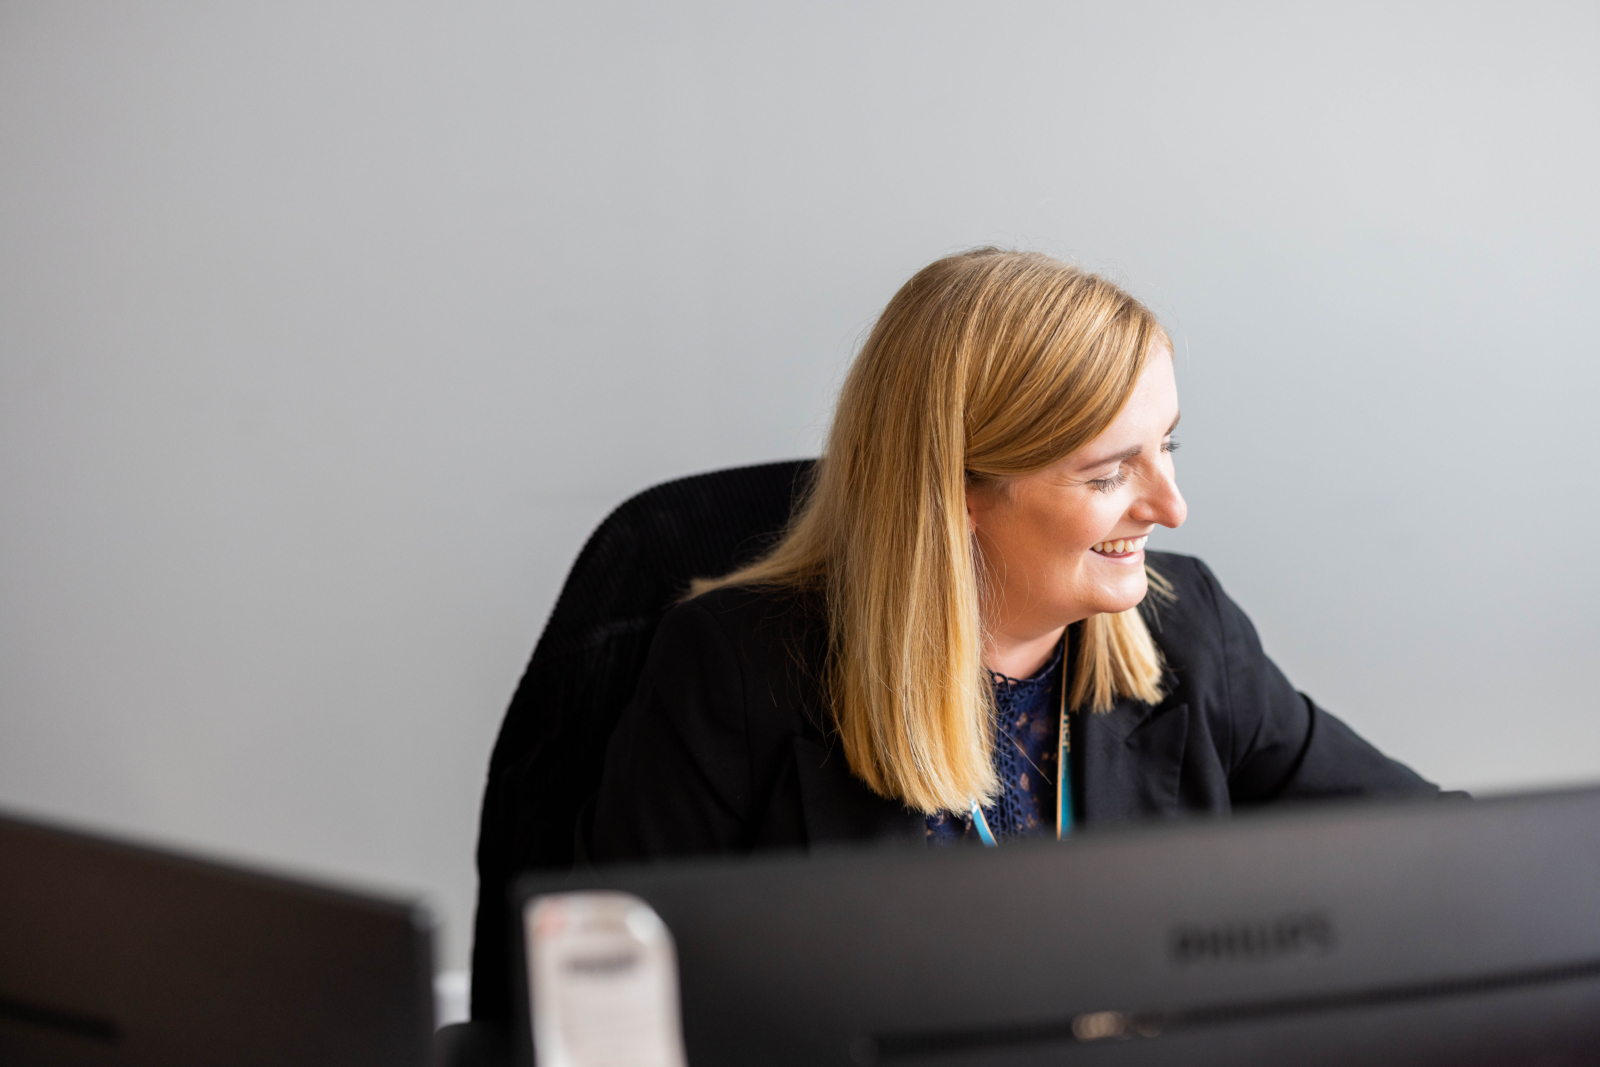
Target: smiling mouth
point(1120, 548)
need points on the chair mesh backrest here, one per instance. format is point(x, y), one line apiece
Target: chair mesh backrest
point(547, 759)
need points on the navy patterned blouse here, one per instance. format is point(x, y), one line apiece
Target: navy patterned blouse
point(1027, 736)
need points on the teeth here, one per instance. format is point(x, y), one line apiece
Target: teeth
point(1121, 546)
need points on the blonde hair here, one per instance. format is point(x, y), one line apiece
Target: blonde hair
point(984, 366)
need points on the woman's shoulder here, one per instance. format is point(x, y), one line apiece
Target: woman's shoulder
point(1192, 584)
point(1189, 572)
point(771, 611)
point(768, 630)
point(1192, 614)
point(755, 656)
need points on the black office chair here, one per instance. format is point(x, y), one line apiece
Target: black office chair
point(546, 763)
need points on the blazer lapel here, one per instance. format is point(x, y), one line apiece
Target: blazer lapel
point(839, 808)
point(1132, 761)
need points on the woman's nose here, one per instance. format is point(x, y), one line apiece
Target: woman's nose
point(1162, 504)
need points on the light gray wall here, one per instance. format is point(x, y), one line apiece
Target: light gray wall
point(328, 331)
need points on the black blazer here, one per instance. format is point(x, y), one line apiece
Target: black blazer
point(725, 747)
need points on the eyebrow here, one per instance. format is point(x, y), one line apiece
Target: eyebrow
point(1127, 453)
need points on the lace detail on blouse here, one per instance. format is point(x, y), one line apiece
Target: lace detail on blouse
point(1027, 734)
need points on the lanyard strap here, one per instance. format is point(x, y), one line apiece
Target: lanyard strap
point(984, 833)
point(1064, 758)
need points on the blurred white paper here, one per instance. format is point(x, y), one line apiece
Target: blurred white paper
point(603, 977)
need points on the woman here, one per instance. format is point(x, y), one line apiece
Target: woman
point(961, 635)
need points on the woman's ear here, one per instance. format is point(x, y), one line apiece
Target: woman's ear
point(976, 503)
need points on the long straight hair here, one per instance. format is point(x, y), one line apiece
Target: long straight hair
point(984, 366)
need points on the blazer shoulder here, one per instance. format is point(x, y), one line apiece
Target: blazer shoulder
point(757, 616)
point(780, 637)
point(1193, 613)
point(1186, 573)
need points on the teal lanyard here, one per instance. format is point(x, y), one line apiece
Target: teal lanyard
point(1063, 776)
point(1064, 761)
point(984, 833)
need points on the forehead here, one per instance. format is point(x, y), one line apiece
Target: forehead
point(1151, 406)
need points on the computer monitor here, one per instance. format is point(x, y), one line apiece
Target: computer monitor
point(1439, 932)
point(116, 954)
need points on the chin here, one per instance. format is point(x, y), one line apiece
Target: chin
point(1124, 596)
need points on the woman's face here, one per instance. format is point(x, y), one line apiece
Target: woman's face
point(1067, 542)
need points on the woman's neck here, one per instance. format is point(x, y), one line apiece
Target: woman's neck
point(1020, 657)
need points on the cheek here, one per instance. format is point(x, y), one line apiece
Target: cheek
point(1092, 522)
point(1056, 532)
point(1043, 536)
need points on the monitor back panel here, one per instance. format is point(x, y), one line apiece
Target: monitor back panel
point(1451, 932)
point(112, 954)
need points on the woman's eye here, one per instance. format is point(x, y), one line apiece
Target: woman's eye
point(1111, 484)
point(1169, 445)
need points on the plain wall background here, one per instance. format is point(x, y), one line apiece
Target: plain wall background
point(328, 332)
